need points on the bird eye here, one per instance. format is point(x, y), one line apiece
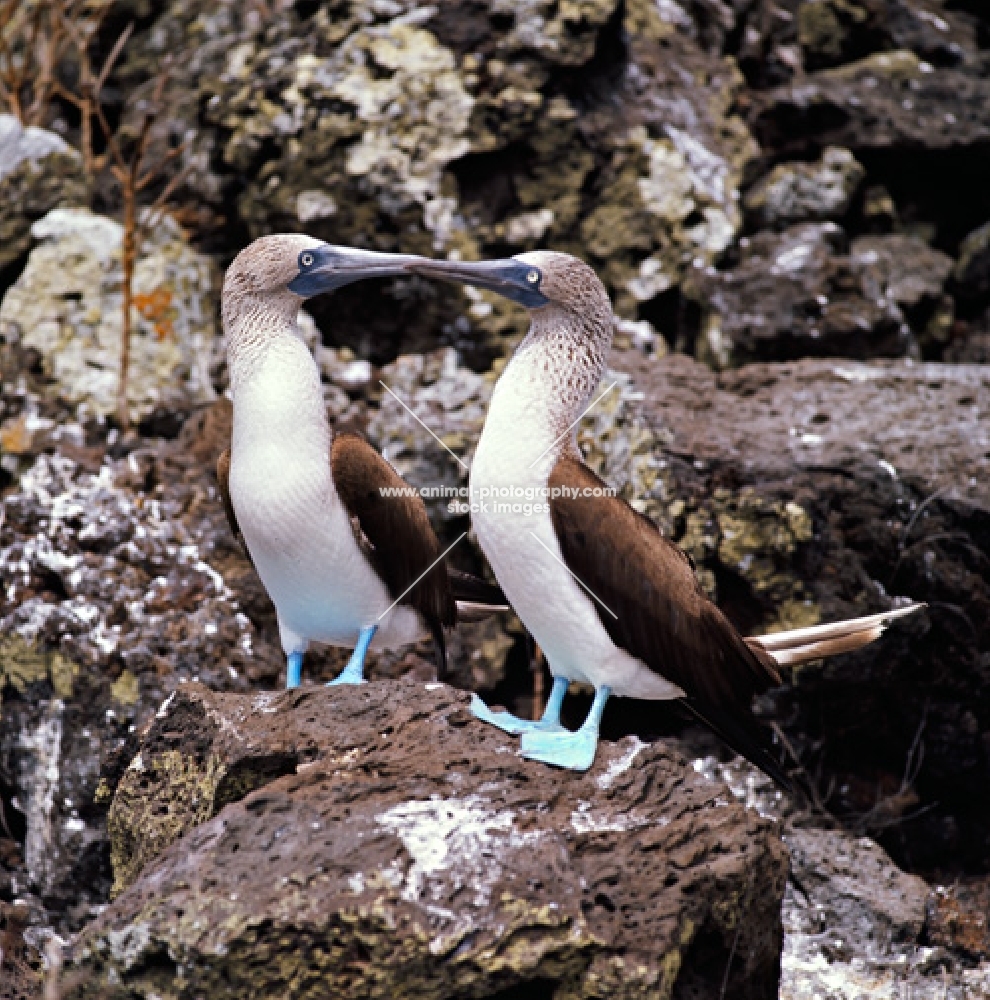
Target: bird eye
point(533, 277)
point(306, 259)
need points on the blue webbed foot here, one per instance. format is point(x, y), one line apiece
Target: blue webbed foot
point(575, 751)
point(353, 673)
point(510, 723)
point(550, 723)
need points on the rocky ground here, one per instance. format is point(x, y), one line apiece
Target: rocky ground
point(787, 201)
point(416, 854)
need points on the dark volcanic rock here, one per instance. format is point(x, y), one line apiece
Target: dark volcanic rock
point(972, 272)
point(796, 294)
point(817, 490)
point(474, 126)
point(892, 98)
point(782, 37)
point(409, 851)
point(122, 579)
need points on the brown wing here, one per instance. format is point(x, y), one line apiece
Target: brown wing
point(662, 616)
point(223, 480)
point(405, 545)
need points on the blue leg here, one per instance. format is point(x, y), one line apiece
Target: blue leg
point(353, 673)
point(575, 751)
point(550, 723)
point(293, 672)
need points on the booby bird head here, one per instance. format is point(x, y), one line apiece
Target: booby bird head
point(558, 364)
point(269, 280)
point(304, 266)
point(535, 280)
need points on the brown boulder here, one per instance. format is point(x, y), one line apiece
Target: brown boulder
point(818, 490)
point(407, 850)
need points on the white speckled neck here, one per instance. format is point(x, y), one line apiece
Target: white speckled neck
point(253, 324)
point(546, 385)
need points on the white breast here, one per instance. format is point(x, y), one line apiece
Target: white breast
point(510, 470)
point(295, 526)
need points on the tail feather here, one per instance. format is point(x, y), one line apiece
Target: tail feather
point(800, 645)
point(474, 611)
point(473, 590)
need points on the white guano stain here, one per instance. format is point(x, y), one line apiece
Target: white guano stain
point(40, 774)
point(453, 840)
point(585, 819)
point(620, 764)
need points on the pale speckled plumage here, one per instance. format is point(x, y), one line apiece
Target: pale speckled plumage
point(292, 519)
point(545, 387)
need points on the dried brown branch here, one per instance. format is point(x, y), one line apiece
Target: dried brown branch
point(46, 58)
point(88, 101)
point(37, 40)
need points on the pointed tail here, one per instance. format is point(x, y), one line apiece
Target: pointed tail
point(789, 649)
point(476, 599)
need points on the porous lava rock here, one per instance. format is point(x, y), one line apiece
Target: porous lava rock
point(802, 192)
point(818, 490)
point(397, 846)
point(122, 578)
point(38, 171)
point(796, 294)
point(475, 126)
point(887, 100)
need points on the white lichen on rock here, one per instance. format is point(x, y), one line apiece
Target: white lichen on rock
point(799, 192)
point(67, 305)
point(18, 144)
point(684, 181)
point(390, 74)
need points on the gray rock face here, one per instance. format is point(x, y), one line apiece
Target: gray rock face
point(38, 171)
point(407, 850)
point(855, 925)
point(820, 489)
point(792, 295)
point(805, 293)
point(806, 192)
point(886, 100)
point(853, 874)
point(908, 272)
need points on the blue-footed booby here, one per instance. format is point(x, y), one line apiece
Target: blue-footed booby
point(611, 602)
point(346, 559)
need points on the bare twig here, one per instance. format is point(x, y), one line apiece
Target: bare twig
point(891, 810)
point(46, 58)
point(35, 41)
point(126, 160)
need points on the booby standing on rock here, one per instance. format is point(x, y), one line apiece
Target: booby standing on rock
point(611, 601)
point(343, 563)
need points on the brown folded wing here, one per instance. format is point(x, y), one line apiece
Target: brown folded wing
point(661, 614)
point(405, 549)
